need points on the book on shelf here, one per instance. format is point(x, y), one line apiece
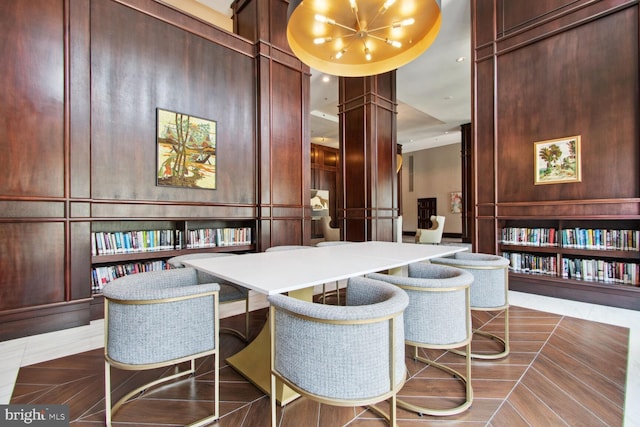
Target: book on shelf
point(601, 239)
point(101, 275)
point(122, 242)
point(524, 236)
point(212, 237)
point(600, 270)
point(531, 263)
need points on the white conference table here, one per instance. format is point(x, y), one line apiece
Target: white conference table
point(297, 272)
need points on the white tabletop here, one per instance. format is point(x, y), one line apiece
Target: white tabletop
point(277, 272)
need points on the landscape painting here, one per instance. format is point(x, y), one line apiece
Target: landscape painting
point(557, 161)
point(186, 150)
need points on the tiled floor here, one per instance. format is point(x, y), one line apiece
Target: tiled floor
point(31, 350)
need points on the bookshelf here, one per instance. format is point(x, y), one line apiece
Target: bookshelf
point(121, 248)
point(587, 260)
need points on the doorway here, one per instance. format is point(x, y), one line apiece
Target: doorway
point(426, 207)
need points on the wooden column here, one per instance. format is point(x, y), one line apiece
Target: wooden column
point(368, 181)
point(282, 127)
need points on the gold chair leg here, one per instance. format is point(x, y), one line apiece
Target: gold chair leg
point(503, 341)
point(244, 336)
point(466, 379)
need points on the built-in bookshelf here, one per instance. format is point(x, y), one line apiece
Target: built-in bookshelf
point(120, 248)
point(579, 254)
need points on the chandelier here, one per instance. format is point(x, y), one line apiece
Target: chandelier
point(353, 38)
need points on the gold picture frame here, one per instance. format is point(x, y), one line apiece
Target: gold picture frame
point(557, 161)
point(186, 151)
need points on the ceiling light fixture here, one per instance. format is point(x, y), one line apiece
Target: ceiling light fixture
point(354, 38)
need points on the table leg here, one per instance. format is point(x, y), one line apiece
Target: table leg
point(253, 363)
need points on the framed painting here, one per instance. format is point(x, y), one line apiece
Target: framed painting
point(557, 161)
point(456, 202)
point(186, 150)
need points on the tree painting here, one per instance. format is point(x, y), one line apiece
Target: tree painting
point(557, 161)
point(186, 151)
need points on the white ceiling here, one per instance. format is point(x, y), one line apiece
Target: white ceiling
point(433, 91)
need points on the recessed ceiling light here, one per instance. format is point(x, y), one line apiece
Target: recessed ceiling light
point(460, 59)
point(326, 78)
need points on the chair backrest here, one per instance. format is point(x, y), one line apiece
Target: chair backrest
point(438, 311)
point(352, 344)
point(329, 233)
point(490, 287)
point(158, 316)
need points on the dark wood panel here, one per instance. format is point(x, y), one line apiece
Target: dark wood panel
point(559, 77)
point(483, 126)
point(32, 98)
point(383, 170)
point(80, 260)
point(154, 65)
point(486, 236)
point(483, 21)
point(79, 99)
point(32, 261)
point(136, 210)
point(42, 319)
point(517, 14)
point(287, 232)
point(290, 150)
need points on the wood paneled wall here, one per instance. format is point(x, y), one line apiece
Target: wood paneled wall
point(546, 70)
point(80, 87)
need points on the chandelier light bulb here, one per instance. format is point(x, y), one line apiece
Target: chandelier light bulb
point(321, 40)
point(393, 43)
point(367, 54)
point(324, 19)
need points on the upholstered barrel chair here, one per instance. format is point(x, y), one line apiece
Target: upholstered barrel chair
point(438, 317)
point(489, 292)
point(229, 292)
point(349, 355)
point(156, 319)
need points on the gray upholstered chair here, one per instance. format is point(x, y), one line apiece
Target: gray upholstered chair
point(341, 355)
point(329, 233)
point(431, 235)
point(326, 294)
point(156, 319)
point(229, 292)
point(438, 317)
point(489, 292)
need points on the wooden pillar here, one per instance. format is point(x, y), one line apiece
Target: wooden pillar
point(468, 199)
point(282, 125)
point(368, 188)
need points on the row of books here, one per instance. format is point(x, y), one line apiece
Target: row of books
point(597, 270)
point(212, 237)
point(593, 270)
point(605, 239)
point(100, 276)
point(121, 242)
point(529, 236)
point(579, 238)
point(531, 264)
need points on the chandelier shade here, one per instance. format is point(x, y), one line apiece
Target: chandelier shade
point(353, 38)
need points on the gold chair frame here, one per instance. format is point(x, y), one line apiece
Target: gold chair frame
point(466, 379)
point(391, 416)
point(109, 362)
point(504, 308)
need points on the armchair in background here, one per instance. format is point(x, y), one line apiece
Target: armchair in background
point(330, 234)
point(431, 235)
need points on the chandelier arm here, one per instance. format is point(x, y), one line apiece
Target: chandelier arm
point(337, 24)
point(373, 36)
point(380, 28)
